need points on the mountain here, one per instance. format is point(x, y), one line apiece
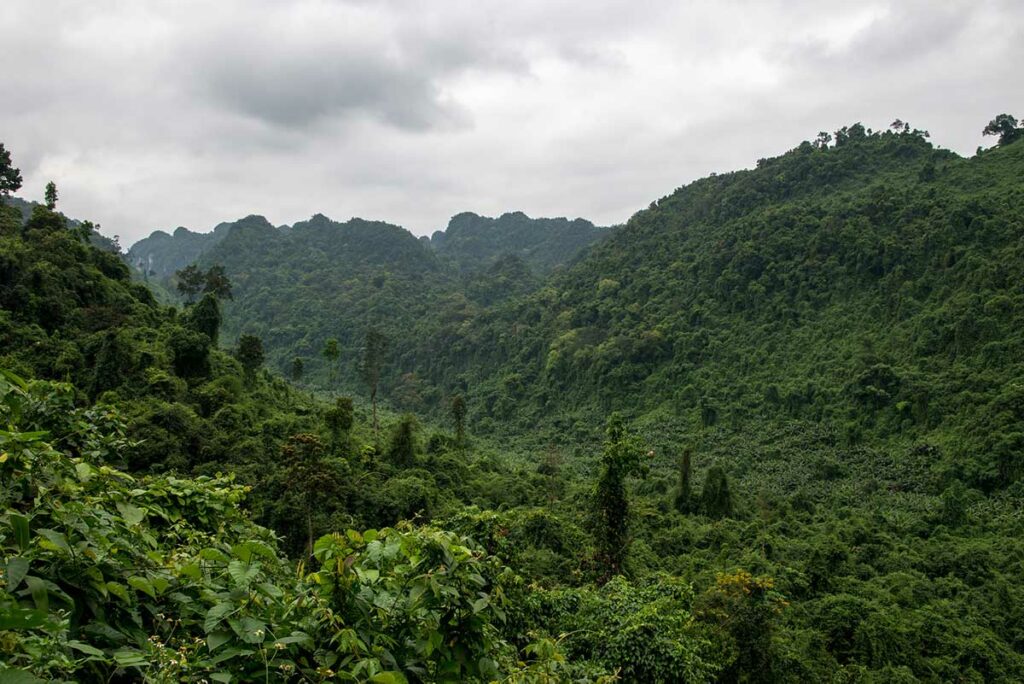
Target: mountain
point(872, 285)
point(161, 254)
point(474, 242)
point(298, 286)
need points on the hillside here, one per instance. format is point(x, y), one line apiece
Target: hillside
point(872, 286)
point(298, 286)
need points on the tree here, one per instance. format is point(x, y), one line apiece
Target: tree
point(459, 419)
point(298, 368)
point(339, 419)
point(716, 499)
point(402, 450)
point(205, 317)
point(190, 351)
point(10, 177)
point(309, 483)
point(374, 348)
point(331, 352)
point(190, 282)
point(823, 139)
point(216, 282)
point(250, 354)
point(684, 495)
point(51, 196)
point(622, 458)
point(1005, 126)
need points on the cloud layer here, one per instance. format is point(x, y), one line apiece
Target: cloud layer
point(175, 112)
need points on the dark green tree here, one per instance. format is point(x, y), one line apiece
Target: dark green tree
point(459, 419)
point(205, 317)
point(622, 457)
point(339, 419)
point(190, 282)
point(110, 366)
point(216, 282)
point(402, 450)
point(190, 351)
point(10, 177)
point(716, 499)
point(298, 368)
point(309, 485)
point(250, 354)
point(331, 352)
point(51, 196)
point(684, 495)
point(1005, 126)
point(374, 347)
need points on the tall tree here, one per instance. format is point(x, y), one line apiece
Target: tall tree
point(684, 495)
point(310, 483)
point(402, 450)
point(374, 348)
point(339, 419)
point(622, 458)
point(331, 352)
point(716, 499)
point(10, 177)
point(298, 368)
point(205, 317)
point(51, 196)
point(216, 282)
point(190, 282)
point(459, 419)
point(250, 354)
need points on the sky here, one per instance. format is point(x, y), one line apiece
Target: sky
point(153, 114)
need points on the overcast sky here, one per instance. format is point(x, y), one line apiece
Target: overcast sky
point(153, 114)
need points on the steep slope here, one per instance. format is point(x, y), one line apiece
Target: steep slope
point(161, 254)
point(475, 242)
point(874, 285)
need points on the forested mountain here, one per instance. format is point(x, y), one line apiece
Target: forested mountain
point(475, 242)
point(299, 286)
point(873, 285)
point(161, 254)
point(808, 376)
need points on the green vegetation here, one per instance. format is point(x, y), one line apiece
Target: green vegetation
point(809, 376)
point(543, 245)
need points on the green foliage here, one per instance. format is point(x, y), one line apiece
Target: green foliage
point(10, 177)
point(205, 317)
point(1005, 126)
point(542, 245)
point(458, 412)
point(298, 368)
point(684, 494)
point(250, 354)
point(164, 579)
point(715, 497)
point(622, 457)
point(51, 195)
point(402, 449)
point(375, 346)
point(339, 419)
point(331, 353)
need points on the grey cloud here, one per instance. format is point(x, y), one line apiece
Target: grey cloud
point(185, 112)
